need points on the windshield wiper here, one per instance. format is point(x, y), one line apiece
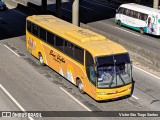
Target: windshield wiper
point(111, 80)
point(121, 78)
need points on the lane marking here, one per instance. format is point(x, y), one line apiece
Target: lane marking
point(11, 97)
point(147, 72)
point(80, 6)
point(135, 97)
point(85, 7)
point(12, 50)
point(118, 28)
point(127, 31)
point(75, 99)
point(66, 9)
point(20, 12)
point(100, 5)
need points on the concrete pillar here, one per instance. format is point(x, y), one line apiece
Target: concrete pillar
point(75, 12)
point(44, 5)
point(58, 8)
point(155, 4)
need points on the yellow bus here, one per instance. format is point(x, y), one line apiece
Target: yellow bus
point(97, 66)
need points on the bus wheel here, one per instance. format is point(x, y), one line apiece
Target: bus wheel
point(141, 31)
point(80, 87)
point(119, 23)
point(41, 59)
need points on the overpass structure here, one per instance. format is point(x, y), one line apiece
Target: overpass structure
point(43, 4)
point(75, 7)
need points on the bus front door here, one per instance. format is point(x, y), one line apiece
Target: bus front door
point(91, 84)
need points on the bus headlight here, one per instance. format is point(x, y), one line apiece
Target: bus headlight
point(102, 93)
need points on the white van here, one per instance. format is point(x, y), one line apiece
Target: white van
point(138, 17)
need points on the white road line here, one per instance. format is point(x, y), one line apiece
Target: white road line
point(20, 12)
point(100, 5)
point(66, 9)
point(127, 31)
point(86, 7)
point(11, 97)
point(75, 99)
point(147, 72)
point(118, 28)
point(135, 97)
point(12, 50)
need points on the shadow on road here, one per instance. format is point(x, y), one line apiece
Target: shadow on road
point(12, 23)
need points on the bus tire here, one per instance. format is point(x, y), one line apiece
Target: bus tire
point(142, 31)
point(119, 23)
point(41, 59)
point(80, 86)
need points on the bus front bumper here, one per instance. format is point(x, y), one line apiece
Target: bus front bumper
point(113, 93)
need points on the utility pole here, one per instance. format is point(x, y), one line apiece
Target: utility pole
point(75, 12)
point(59, 8)
point(155, 4)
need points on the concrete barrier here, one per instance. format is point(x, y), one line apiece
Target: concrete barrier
point(137, 53)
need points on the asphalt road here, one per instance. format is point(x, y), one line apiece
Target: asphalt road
point(30, 86)
point(40, 88)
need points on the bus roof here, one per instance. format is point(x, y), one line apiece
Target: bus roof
point(95, 43)
point(141, 8)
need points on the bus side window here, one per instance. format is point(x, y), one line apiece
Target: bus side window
point(79, 54)
point(35, 29)
point(68, 48)
point(131, 13)
point(29, 26)
point(89, 68)
point(120, 10)
point(125, 11)
point(145, 17)
point(135, 14)
point(59, 44)
point(42, 34)
point(139, 14)
point(128, 12)
point(50, 38)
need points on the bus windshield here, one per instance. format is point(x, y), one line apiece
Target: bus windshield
point(114, 71)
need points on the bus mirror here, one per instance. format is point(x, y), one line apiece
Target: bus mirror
point(96, 74)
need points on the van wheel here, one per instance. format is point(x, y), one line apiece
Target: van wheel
point(80, 87)
point(142, 31)
point(41, 59)
point(119, 23)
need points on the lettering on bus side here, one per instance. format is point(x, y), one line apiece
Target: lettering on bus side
point(57, 58)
